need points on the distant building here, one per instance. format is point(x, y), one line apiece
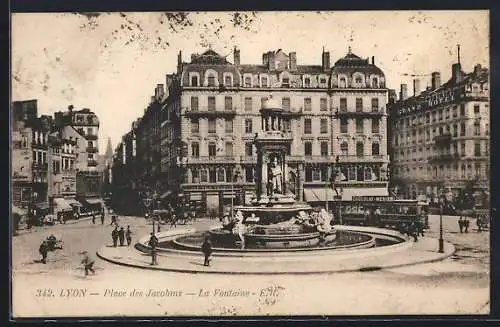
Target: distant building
point(440, 136)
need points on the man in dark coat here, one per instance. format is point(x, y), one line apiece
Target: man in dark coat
point(153, 242)
point(102, 217)
point(466, 225)
point(88, 263)
point(206, 248)
point(114, 236)
point(128, 236)
point(461, 224)
point(93, 218)
point(121, 236)
point(44, 249)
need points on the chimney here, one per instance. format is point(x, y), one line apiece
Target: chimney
point(416, 87)
point(436, 80)
point(236, 56)
point(293, 61)
point(161, 91)
point(179, 62)
point(456, 73)
point(325, 60)
point(70, 108)
point(403, 95)
point(153, 98)
point(373, 60)
point(170, 79)
point(270, 58)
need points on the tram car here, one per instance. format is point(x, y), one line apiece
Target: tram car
point(385, 212)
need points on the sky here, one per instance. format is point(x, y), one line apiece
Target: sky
point(111, 62)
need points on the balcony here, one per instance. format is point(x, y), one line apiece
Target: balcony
point(248, 159)
point(205, 113)
point(345, 112)
point(211, 160)
point(91, 136)
point(341, 159)
point(444, 158)
point(92, 163)
point(92, 149)
point(40, 166)
point(442, 140)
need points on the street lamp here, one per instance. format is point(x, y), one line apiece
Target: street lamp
point(235, 179)
point(441, 241)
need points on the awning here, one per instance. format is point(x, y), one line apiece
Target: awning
point(324, 193)
point(348, 193)
point(310, 196)
point(62, 205)
point(94, 201)
point(18, 211)
point(74, 203)
point(42, 205)
point(164, 195)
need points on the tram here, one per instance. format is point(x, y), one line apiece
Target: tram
point(381, 211)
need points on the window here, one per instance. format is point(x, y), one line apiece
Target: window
point(249, 149)
point(307, 104)
point(285, 103)
point(477, 128)
point(433, 116)
point(323, 126)
point(229, 149)
point(248, 126)
point(316, 174)
point(462, 109)
point(308, 148)
point(351, 173)
point(212, 175)
point(229, 126)
point(307, 82)
point(212, 150)
point(263, 81)
point(375, 149)
point(308, 174)
point(359, 126)
point(195, 126)
point(195, 149)
point(323, 104)
point(228, 81)
point(477, 149)
point(343, 104)
point(375, 82)
point(221, 175)
point(342, 82)
point(359, 104)
point(343, 125)
point(462, 148)
point(211, 126)
point(248, 81)
point(358, 80)
point(228, 103)
point(487, 129)
point(211, 103)
point(324, 148)
point(344, 148)
point(307, 126)
point(285, 82)
point(440, 130)
point(194, 103)
point(249, 174)
point(440, 114)
point(360, 149)
point(477, 109)
point(375, 105)
point(287, 126)
point(455, 130)
point(203, 175)
point(375, 126)
point(194, 80)
point(248, 104)
point(322, 80)
point(211, 80)
point(462, 129)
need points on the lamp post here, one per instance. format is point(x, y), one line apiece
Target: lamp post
point(441, 241)
point(235, 179)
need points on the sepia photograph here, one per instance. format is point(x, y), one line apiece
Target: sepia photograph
point(250, 163)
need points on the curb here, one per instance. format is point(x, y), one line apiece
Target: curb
point(312, 272)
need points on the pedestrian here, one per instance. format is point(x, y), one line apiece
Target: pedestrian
point(153, 242)
point(460, 224)
point(102, 217)
point(128, 236)
point(44, 249)
point(88, 263)
point(466, 225)
point(121, 236)
point(114, 236)
point(93, 218)
point(206, 248)
point(113, 221)
point(479, 225)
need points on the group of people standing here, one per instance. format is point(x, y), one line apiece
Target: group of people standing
point(120, 235)
point(463, 224)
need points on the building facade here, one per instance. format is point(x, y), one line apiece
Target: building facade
point(440, 137)
point(205, 121)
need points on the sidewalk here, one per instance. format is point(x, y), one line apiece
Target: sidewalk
point(423, 251)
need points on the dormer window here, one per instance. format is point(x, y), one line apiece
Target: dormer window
point(263, 81)
point(285, 82)
point(194, 80)
point(342, 82)
point(358, 80)
point(211, 80)
point(307, 82)
point(322, 81)
point(248, 81)
point(375, 82)
point(228, 81)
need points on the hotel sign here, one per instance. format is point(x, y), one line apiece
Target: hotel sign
point(446, 96)
point(373, 198)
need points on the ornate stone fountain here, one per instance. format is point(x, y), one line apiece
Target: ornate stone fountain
point(274, 219)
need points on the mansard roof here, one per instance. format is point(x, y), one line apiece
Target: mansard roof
point(209, 57)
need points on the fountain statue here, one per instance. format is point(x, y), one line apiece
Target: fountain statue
point(274, 219)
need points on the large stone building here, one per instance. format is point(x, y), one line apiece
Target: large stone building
point(440, 137)
point(196, 135)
